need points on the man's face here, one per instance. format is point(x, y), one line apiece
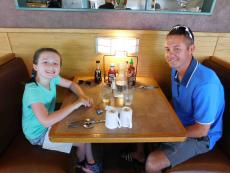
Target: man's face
point(178, 53)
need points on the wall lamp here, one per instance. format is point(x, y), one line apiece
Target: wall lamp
point(119, 47)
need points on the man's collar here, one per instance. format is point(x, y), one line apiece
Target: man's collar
point(188, 74)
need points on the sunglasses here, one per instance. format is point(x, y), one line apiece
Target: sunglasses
point(183, 29)
point(84, 82)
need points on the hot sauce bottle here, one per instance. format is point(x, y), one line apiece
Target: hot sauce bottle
point(131, 74)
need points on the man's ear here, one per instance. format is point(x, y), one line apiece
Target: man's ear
point(35, 67)
point(192, 48)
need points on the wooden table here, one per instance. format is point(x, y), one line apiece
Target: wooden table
point(154, 120)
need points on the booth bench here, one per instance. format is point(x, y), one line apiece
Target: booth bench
point(17, 155)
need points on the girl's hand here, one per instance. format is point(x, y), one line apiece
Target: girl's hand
point(87, 100)
point(80, 102)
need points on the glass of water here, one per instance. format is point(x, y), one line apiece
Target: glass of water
point(106, 93)
point(128, 96)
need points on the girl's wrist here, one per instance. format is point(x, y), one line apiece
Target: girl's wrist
point(83, 96)
point(77, 104)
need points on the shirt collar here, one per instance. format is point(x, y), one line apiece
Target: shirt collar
point(188, 74)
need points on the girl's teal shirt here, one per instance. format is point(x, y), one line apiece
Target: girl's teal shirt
point(36, 93)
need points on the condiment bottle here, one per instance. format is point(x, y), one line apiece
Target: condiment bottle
point(97, 74)
point(131, 74)
point(111, 73)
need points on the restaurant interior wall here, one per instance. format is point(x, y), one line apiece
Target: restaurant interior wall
point(78, 48)
point(10, 17)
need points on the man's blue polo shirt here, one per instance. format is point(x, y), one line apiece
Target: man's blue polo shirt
point(199, 98)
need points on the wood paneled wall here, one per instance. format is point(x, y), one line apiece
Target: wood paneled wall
point(5, 46)
point(78, 50)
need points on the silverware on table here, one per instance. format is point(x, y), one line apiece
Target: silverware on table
point(86, 123)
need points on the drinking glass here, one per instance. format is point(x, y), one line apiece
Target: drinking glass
point(106, 93)
point(128, 96)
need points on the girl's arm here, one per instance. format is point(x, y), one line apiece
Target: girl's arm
point(76, 89)
point(48, 119)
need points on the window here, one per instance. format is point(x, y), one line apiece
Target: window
point(204, 7)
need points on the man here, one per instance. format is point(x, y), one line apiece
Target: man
point(108, 5)
point(198, 100)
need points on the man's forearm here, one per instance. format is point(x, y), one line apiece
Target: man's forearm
point(197, 130)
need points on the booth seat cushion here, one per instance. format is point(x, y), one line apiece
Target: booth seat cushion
point(222, 69)
point(12, 76)
point(22, 157)
point(214, 161)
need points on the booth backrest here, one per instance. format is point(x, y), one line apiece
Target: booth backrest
point(13, 74)
point(222, 69)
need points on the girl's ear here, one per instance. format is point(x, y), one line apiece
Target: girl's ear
point(35, 67)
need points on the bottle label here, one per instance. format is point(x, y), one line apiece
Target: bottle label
point(131, 76)
point(97, 76)
point(111, 77)
point(132, 81)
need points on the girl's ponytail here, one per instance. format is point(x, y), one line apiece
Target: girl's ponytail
point(33, 77)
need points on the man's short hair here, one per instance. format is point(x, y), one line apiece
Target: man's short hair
point(182, 30)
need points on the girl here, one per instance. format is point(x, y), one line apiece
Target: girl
point(39, 102)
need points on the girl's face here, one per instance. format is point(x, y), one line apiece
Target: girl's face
point(48, 65)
